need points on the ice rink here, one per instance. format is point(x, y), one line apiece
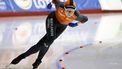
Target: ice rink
point(97, 44)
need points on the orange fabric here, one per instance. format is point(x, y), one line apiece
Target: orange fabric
point(62, 18)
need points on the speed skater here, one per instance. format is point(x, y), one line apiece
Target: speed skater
point(56, 22)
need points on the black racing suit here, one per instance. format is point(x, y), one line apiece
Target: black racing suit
point(53, 30)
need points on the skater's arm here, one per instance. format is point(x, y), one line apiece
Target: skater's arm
point(81, 18)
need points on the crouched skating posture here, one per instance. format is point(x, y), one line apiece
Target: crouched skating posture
point(56, 23)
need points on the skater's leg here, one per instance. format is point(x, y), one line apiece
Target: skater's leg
point(45, 48)
point(48, 41)
point(42, 52)
point(32, 50)
point(49, 38)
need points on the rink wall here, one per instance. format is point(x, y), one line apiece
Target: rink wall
point(38, 7)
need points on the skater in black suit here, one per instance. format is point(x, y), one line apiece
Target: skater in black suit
point(56, 23)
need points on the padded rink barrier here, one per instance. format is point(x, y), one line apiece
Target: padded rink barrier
point(39, 7)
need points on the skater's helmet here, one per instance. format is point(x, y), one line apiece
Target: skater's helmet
point(70, 4)
point(70, 7)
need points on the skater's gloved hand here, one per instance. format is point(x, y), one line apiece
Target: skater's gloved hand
point(73, 24)
point(49, 6)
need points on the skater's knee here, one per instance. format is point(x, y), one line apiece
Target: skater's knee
point(32, 50)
